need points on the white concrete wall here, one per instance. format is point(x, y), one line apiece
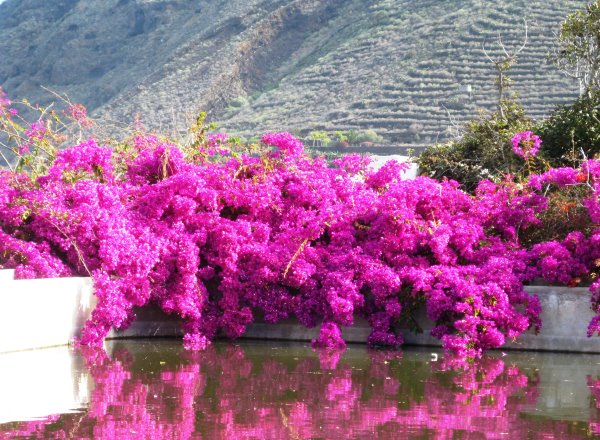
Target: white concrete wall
point(42, 312)
point(6, 275)
point(565, 315)
point(49, 312)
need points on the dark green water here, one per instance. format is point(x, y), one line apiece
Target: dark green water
point(143, 389)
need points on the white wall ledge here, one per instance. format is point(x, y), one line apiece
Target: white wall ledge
point(42, 312)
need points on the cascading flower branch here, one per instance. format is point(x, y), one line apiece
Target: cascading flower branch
point(526, 144)
point(6, 110)
point(285, 142)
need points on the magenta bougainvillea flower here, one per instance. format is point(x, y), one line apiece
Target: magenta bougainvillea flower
point(526, 144)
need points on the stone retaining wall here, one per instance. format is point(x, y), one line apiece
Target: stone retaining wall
point(565, 315)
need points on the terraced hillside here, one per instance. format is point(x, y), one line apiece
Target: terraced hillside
point(419, 70)
point(409, 69)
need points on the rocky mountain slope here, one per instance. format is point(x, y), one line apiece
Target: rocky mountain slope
point(409, 69)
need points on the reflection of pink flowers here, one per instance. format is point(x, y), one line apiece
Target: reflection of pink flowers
point(526, 144)
point(223, 393)
point(329, 357)
point(594, 387)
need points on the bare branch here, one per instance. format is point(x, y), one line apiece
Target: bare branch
point(487, 55)
point(64, 98)
point(7, 161)
point(453, 122)
point(524, 40)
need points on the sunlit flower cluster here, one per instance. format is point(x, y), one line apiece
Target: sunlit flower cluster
point(526, 144)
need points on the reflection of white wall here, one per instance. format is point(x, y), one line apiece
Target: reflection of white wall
point(563, 392)
point(38, 383)
point(378, 161)
point(42, 312)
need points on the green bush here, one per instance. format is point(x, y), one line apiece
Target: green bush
point(484, 150)
point(238, 102)
point(319, 138)
point(368, 136)
point(571, 130)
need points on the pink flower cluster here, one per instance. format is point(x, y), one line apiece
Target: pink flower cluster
point(216, 142)
point(284, 142)
point(6, 111)
point(78, 113)
point(526, 144)
point(37, 130)
point(578, 254)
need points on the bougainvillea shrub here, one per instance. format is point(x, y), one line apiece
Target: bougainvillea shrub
point(281, 235)
point(221, 238)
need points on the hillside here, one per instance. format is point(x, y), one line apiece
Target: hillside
point(405, 68)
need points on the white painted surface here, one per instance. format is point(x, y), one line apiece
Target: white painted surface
point(565, 315)
point(38, 383)
point(43, 312)
point(378, 161)
point(7, 275)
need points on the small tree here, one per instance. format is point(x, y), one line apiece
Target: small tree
point(319, 138)
point(484, 150)
point(502, 65)
point(578, 52)
point(340, 136)
point(368, 136)
point(352, 136)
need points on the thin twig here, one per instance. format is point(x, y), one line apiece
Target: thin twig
point(296, 255)
point(77, 250)
point(7, 162)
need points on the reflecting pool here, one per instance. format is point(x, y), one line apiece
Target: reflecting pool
point(254, 390)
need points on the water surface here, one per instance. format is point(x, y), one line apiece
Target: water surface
point(155, 389)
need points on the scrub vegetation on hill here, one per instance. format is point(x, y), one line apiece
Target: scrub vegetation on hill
point(409, 70)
